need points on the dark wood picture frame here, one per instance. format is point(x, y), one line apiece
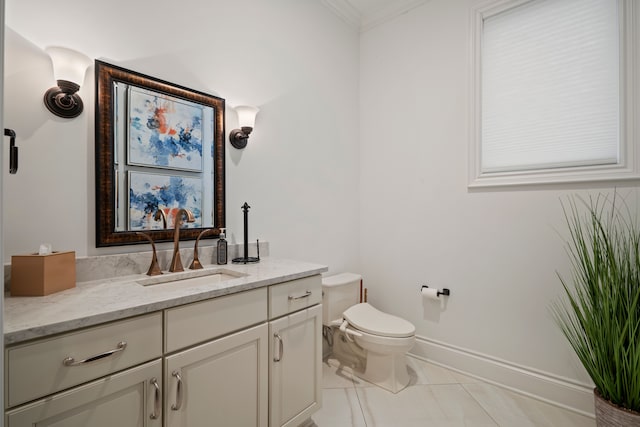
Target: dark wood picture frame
point(106, 76)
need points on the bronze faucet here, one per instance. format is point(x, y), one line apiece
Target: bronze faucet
point(154, 268)
point(196, 264)
point(176, 263)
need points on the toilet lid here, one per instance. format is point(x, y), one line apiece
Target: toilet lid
point(365, 317)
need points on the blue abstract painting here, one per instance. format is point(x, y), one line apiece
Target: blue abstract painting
point(149, 193)
point(164, 131)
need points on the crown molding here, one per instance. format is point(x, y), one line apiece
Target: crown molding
point(388, 13)
point(344, 10)
point(366, 20)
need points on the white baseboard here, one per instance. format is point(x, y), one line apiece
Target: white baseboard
point(556, 390)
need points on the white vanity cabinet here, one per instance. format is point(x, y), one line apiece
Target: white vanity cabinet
point(85, 378)
point(295, 351)
point(250, 358)
point(223, 381)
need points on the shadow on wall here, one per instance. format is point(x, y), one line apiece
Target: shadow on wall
point(25, 111)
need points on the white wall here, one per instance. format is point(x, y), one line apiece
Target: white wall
point(498, 251)
point(292, 58)
point(396, 207)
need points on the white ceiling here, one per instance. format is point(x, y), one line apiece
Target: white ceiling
point(366, 14)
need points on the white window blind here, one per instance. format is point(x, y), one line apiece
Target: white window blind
point(550, 83)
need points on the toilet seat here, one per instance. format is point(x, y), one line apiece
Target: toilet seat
point(368, 319)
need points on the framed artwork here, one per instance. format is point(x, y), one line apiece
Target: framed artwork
point(164, 131)
point(158, 146)
point(150, 192)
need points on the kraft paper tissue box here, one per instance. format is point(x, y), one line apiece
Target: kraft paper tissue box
point(39, 275)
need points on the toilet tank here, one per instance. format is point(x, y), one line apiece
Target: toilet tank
point(339, 292)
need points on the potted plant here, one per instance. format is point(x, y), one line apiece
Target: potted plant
point(600, 316)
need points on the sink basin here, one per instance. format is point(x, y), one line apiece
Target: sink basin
point(192, 277)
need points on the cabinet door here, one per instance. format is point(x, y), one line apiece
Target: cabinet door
point(130, 398)
point(295, 370)
point(222, 382)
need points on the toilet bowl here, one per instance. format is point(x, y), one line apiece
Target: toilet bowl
point(381, 339)
point(387, 339)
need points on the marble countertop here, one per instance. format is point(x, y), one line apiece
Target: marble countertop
point(94, 302)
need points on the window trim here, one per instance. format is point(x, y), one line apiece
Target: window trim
point(629, 166)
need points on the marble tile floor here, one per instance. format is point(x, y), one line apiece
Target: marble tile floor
point(435, 397)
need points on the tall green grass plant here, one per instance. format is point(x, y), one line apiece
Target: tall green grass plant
point(600, 316)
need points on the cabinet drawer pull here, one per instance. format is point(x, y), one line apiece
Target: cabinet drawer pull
point(156, 399)
point(176, 406)
point(280, 348)
point(70, 361)
point(306, 295)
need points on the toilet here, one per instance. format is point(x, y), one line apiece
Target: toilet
point(373, 343)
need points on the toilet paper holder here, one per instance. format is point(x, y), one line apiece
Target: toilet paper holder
point(444, 291)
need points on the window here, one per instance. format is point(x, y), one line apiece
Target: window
point(553, 92)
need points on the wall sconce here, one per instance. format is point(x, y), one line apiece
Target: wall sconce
point(69, 67)
point(246, 120)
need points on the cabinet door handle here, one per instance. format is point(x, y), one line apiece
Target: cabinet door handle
point(280, 347)
point(70, 361)
point(156, 399)
point(305, 295)
point(176, 406)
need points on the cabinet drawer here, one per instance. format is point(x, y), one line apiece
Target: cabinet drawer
point(38, 369)
point(295, 295)
point(201, 321)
